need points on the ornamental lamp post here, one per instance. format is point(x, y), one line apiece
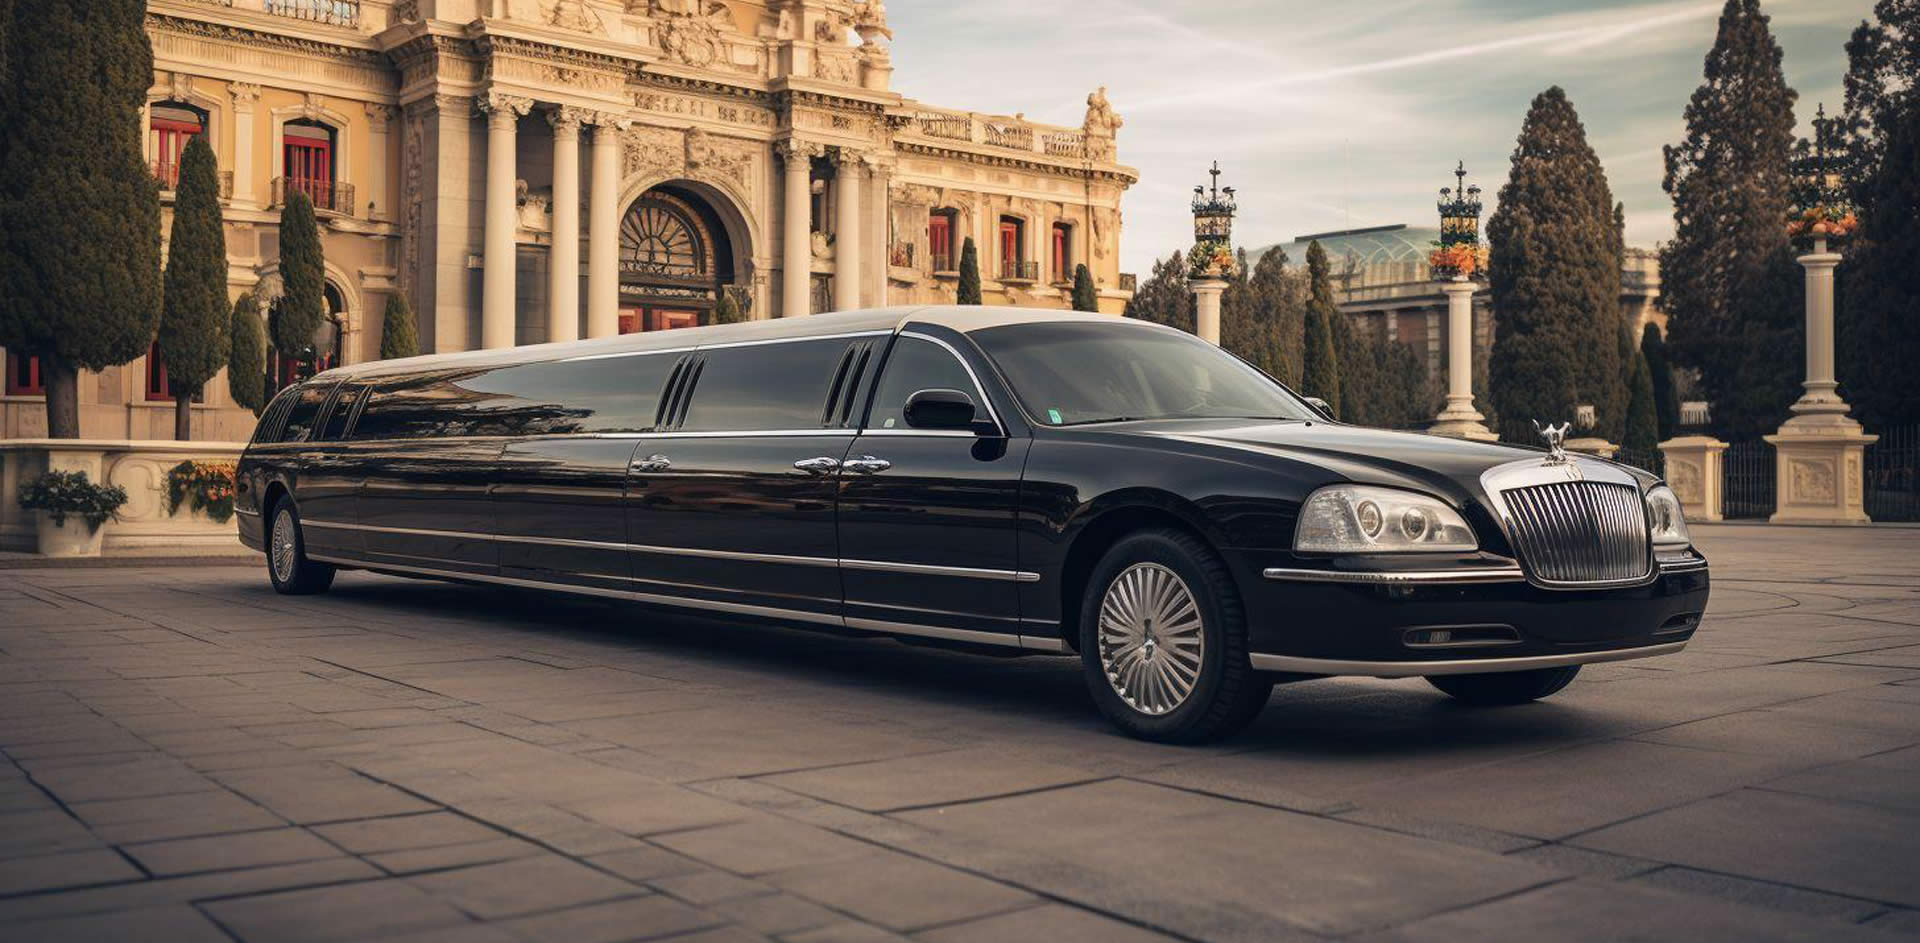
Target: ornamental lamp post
point(1457, 258)
point(1819, 449)
point(1210, 262)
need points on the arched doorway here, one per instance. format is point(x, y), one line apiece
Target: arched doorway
point(676, 258)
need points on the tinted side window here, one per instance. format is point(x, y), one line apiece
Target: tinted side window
point(601, 395)
point(764, 386)
point(306, 407)
point(410, 408)
point(335, 428)
point(268, 428)
point(916, 365)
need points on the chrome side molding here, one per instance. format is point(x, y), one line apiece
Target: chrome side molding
point(1421, 669)
point(1494, 574)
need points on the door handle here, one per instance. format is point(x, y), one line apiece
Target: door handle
point(866, 465)
point(820, 464)
point(652, 463)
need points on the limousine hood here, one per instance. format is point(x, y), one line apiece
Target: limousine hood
point(1355, 453)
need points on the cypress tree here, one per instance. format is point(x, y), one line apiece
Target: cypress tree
point(1279, 300)
point(1642, 433)
point(397, 337)
point(1666, 400)
point(79, 208)
point(1164, 297)
point(247, 358)
point(1084, 297)
point(1728, 277)
point(194, 314)
point(1880, 279)
point(303, 305)
point(1320, 374)
point(968, 292)
point(1554, 274)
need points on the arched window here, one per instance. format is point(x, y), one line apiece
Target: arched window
point(172, 124)
point(308, 161)
point(327, 350)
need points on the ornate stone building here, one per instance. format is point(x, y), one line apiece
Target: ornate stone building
point(535, 170)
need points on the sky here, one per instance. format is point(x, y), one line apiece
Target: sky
point(1336, 115)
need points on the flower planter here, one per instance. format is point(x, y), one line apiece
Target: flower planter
point(72, 539)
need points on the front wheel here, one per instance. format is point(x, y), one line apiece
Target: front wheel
point(287, 564)
point(1505, 687)
point(1163, 641)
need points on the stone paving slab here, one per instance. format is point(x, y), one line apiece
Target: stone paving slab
point(185, 755)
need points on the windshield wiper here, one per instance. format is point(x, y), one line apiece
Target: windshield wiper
point(1089, 422)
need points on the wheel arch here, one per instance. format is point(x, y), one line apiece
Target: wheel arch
point(1106, 522)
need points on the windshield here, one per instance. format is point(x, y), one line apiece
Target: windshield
point(1076, 373)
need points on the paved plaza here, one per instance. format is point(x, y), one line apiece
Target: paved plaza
point(191, 757)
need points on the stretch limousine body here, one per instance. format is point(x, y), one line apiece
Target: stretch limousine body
point(1039, 481)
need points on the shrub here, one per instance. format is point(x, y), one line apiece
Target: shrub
point(203, 486)
point(60, 493)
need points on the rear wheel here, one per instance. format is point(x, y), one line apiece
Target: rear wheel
point(1163, 641)
point(1505, 687)
point(287, 564)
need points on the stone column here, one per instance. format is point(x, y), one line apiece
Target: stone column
point(796, 248)
point(245, 94)
point(497, 272)
point(1206, 297)
point(846, 232)
point(1819, 449)
point(379, 196)
point(603, 230)
point(1695, 473)
point(563, 259)
point(1458, 418)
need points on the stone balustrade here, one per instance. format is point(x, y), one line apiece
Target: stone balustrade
point(144, 526)
point(999, 133)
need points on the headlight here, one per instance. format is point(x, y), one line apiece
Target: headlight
point(1366, 519)
point(1669, 526)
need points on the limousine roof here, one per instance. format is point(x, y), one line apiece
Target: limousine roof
point(964, 318)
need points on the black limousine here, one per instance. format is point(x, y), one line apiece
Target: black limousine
point(1034, 480)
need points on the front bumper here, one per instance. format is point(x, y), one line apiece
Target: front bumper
point(1465, 617)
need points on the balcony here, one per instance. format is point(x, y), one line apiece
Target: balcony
point(1016, 271)
point(327, 196)
point(331, 12)
point(168, 174)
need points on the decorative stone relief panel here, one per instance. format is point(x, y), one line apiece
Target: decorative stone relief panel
point(1811, 481)
point(1684, 479)
point(652, 152)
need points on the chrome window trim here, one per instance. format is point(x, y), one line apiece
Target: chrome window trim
point(1418, 669)
point(683, 602)
point(722, 346)
point(1528, 472)
point(1496, 574)
point(978, 389)
point(1017, 576)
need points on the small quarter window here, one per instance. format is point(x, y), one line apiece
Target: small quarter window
point(306, 408)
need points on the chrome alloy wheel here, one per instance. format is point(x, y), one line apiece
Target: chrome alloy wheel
point(280, 545)
point(1151, 638)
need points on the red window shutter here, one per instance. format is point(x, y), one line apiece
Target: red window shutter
point(157, 391)
point(23, 376)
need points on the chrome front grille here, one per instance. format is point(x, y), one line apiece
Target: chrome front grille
point(1580, 532)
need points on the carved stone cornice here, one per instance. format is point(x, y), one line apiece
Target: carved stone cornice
point(684, 84)
point(201, 29)
point(1108, 174)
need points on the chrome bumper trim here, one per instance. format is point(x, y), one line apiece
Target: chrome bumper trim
point(1500, 574)
point(1460, 666)
point(1692, 564)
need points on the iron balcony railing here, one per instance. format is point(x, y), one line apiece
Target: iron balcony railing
point(942, 261)
point(1578, 532)
point(1013, 270)
point(169, 176)
point(332, 12)
point(327, 196)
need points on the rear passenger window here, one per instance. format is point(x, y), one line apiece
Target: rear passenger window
point(306, 408)
point(916, 365)
point(597, 395)
point(413, 408)
point(335, 428)
point(268, 428)
point(764, 387)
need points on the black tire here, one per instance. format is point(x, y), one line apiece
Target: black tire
point(1505, 688)
point(1225, 693)
point(287, 565)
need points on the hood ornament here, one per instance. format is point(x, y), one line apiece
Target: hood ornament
point(1556, 439)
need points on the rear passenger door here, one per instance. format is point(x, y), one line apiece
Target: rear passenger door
point(926, 517)
point(732, 504)
point(330, 482)
point(559, 496)
point(431, 455)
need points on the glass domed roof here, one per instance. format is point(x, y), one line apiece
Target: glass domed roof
point(1370, 260)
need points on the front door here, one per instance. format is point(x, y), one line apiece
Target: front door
point(926, 518)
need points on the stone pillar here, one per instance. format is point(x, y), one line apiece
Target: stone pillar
point(1206, 307)
point(379, 195)
point(245, 94)
point(1818, 451)
point(603, 231)
point(563, 260)
point(497, 272)
point(796, 241)
point(1696, 475)
point(1458, 418)
point(846, 232)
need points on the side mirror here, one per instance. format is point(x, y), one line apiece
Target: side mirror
point(1321, 406)
point(940, 409)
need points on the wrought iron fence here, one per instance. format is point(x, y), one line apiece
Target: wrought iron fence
point(1892, 475)
point(1650, 460)
point(1748, 481)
